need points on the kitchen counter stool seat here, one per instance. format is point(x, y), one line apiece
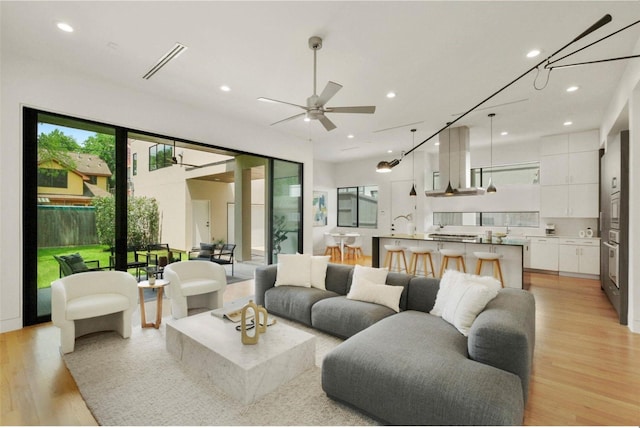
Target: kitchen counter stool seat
point(493, 258)
point(448, 255)
point(400, 259)
point(421, 254)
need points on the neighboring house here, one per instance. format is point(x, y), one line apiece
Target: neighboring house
point(78, 184)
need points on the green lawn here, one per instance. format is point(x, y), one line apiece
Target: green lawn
point(48, 268)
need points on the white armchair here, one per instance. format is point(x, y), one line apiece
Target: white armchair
point(194, 284)
point(92, 301)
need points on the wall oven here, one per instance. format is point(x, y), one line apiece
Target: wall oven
point(612, 246)
point(615, 211)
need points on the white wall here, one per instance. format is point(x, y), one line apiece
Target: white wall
point(27, 82)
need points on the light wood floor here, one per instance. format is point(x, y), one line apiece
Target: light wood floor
point(586, 367)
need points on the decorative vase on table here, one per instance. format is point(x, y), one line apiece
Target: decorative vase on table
point(259, 315)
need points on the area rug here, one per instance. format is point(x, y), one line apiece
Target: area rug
point(137, 382)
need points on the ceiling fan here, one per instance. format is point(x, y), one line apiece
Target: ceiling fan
point(178, 160)
point(315, 108)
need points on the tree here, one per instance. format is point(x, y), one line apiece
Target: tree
point(56, 145)
point(103, 146)
point(143, 220)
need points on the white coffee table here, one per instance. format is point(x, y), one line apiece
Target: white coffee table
point(246, 372)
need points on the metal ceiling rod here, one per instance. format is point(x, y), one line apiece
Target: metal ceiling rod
point(601, 22)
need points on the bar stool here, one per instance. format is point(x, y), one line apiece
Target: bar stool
point(354, 248)
point(332, 247)
point(398, 252)
point(456, 255)
point(421, 254)
point(492, 258)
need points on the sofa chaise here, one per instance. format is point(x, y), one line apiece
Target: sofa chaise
point(411, 367)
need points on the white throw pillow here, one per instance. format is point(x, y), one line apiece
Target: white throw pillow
point(368, 291)
point(466, 298)
point(319, 271)
point(448, 279)
point(375, 275)
point(294, 269)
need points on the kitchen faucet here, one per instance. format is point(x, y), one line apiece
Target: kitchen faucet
point(406, 217)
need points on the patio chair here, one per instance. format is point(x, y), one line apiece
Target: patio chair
point(133, 259)
point(74, 263)
point(160, 255)
point(224, 256)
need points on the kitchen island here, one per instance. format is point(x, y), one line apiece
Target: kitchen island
point(510, 249)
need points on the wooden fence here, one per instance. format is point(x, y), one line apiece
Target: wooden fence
point(61, 226)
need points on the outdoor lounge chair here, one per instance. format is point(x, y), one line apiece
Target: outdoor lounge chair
point(160, 255)
point(74, 263)
point(133, 259)
point(223, 255)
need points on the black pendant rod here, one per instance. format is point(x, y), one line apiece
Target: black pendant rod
point(602, 21)
point(590, 44)
point(593, 62)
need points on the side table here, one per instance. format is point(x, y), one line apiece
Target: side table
point(159, 286)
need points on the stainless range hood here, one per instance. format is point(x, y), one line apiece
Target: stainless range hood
point(454, 160)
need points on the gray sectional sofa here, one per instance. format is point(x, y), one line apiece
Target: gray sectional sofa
point(413, 368)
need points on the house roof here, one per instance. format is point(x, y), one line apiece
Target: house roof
point(87, 164)
point(90, 164)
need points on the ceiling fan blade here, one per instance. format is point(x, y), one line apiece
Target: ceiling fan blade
point(289, 118)
point(356, 109)
point(271, 100)
point(329, 91)
point(328, 125)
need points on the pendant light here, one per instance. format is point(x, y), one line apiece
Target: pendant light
point(449, 191)
point(491, 188)
point(413, 160)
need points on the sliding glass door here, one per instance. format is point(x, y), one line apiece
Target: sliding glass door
point(69, 165)
point(286, 218)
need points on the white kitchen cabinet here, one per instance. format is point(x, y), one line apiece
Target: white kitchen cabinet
point(554, 144)
point(583, 200)
point(544, 253)
point(576, 200)
point(579, 256)
point(569, 168)
point(569, 175)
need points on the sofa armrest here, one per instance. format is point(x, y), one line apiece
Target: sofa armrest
point(503, 335)
point(265, 278)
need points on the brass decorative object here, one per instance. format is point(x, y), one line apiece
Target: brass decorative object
point(259, 326)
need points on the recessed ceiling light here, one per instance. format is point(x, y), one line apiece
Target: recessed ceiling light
point(389, 151)
point(391, 94)
point(573, 88)
point(504, 133)
point(533, 53)
point(65, 27)
point(225, 88)
point(568, 123)
point(350, 136)
point(437, 143)
point(306, 119)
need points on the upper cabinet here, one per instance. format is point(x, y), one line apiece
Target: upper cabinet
point(569, 171)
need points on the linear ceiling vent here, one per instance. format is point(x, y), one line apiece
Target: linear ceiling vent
point(172, 54)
